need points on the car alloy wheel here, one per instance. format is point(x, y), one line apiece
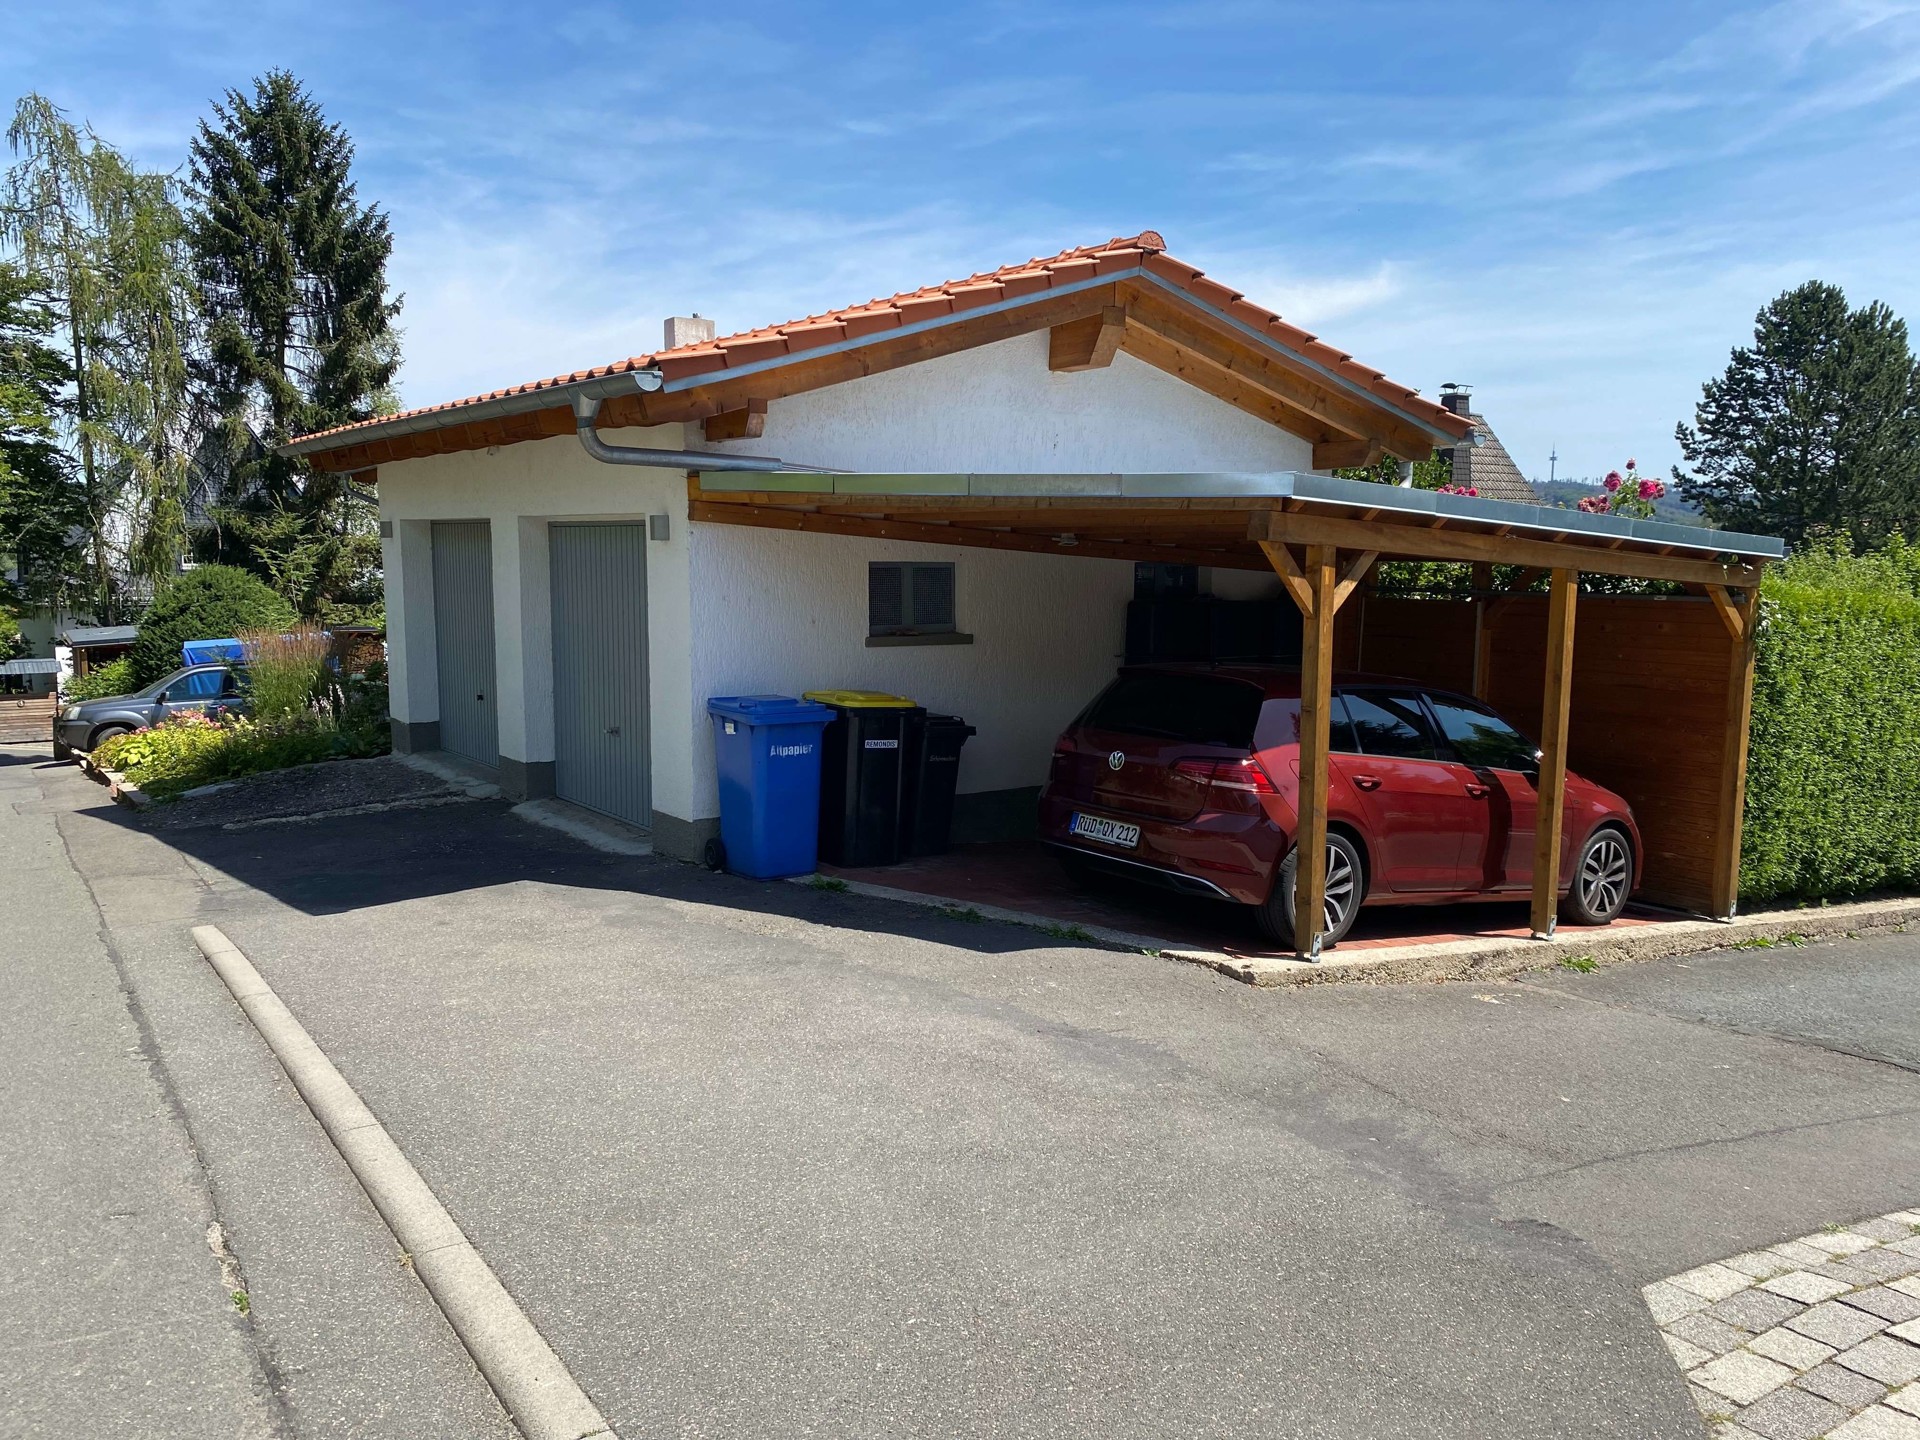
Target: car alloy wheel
point(1346, 888)
point(1601, 880)
point(1603, 874)
point(1340, 885)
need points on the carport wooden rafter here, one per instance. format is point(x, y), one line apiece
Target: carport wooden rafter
point(1321, 545)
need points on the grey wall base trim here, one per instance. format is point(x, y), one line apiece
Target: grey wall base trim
point(996, 815)
point(526, 779)
point(415, 737)
point(682, 839)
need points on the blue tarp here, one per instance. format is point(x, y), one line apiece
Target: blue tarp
point(203, 652)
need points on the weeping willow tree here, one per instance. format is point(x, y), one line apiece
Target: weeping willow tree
point(105, 244)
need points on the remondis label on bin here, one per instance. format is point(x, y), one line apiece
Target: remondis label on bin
point(883, 744)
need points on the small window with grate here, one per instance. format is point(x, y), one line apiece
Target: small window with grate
point(909, 601)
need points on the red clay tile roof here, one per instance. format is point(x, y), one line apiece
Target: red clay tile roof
point(1145, 251)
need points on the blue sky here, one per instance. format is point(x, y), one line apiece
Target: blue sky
point(1575, 208)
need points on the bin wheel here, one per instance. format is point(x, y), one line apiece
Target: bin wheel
point(714, 855)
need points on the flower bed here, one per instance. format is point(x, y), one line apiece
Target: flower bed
point(193, 750)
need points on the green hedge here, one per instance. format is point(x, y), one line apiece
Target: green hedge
point(1833, 779)
point(213, 602)
point(113, 678)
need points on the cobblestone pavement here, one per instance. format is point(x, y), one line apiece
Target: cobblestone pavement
point(1814, 1337)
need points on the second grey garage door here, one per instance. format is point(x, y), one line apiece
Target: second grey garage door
point(600, 733)
point(463, 638)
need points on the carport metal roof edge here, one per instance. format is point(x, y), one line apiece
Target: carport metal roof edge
point(1221, 517)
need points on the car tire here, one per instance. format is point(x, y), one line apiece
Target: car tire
point(61, 751)
point(1602, 878)
point(106, 733)
point(1346, 888)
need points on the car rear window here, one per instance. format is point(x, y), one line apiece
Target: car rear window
point(1195, 709)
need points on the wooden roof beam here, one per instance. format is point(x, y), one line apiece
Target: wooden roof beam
point(1423, 542)
point(1089, 343)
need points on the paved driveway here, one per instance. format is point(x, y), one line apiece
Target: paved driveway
point(761, 1160)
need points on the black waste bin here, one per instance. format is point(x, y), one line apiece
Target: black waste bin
point(934, 743)
point(862, 775)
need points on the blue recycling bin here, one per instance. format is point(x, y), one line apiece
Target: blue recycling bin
point(768, 753)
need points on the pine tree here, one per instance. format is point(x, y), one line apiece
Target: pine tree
point(300, 337)
point(43, 510)
point(1813, 430)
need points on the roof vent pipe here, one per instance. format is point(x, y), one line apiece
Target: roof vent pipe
point(586, 411)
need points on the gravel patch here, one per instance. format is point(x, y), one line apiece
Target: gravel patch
point(302, 791)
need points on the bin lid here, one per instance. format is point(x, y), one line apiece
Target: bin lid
point(767, 709)
point(860, 700)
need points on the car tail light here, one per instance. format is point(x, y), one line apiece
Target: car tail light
point(1243, 775)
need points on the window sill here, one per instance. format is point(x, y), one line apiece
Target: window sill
point(942, 637)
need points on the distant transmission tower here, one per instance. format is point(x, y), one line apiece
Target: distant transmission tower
point(1553, 461)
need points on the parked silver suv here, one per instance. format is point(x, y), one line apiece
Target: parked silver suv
point(83, 725)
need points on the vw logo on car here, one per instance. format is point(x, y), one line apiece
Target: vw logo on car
point(1116, 759)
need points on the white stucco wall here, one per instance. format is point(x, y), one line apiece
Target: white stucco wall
point(734, 610)
point(999, 407)
point(520, 489)
point(785, 613)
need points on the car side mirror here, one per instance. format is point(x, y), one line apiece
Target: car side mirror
point(161, 698)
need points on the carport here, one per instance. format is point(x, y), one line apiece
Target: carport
point(1653, 703)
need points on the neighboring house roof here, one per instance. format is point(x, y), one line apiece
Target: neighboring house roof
point(81, 637)
point(1488, 469)
point(1139, 261)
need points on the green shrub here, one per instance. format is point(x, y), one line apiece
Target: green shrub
point(113, 678)
point(210, 603)
point(1833, 779)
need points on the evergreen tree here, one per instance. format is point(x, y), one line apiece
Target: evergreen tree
point(43, 511)
point(1814, 429)
point(300, 337)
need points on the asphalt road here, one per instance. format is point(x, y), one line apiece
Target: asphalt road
point(763, 1160)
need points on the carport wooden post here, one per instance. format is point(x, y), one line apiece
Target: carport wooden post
point(1740, 620)
point(1316, 589)
point(1551, 806)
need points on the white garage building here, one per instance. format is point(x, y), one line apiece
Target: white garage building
point(560, 606)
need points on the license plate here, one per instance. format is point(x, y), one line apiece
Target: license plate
point(1107, 832)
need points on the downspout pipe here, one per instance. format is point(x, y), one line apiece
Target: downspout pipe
point(586, 412)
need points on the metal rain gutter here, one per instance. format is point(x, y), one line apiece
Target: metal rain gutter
point(586, 409)
point(523, 403)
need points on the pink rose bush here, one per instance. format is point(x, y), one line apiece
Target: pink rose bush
point(1629, 494)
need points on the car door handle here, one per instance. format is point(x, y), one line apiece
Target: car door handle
point(1367, 782)
point(1478, 792)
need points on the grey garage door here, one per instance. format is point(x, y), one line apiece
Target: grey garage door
point(600, 730)
point(463, 638)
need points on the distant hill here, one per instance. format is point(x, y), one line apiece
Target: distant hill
point(1569, 493)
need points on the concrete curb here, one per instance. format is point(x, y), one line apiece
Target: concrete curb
point(543, 1398)
point(1484, 959)
point(119, 789)
point(1468, 959)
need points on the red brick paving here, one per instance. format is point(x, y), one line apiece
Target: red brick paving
point(1023, 875)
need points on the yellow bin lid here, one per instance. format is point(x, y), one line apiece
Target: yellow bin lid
point(860, 699)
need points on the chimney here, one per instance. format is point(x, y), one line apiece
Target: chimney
point(688, 330)
point(1457, 398)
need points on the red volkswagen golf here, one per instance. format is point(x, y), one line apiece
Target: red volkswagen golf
point(1188, 777)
